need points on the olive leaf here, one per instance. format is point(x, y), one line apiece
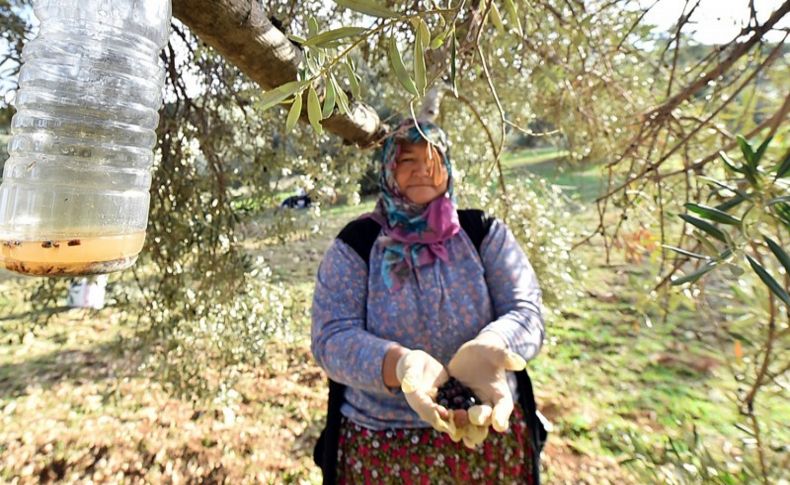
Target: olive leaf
point(512, 15)
point(329, 100)
point(705, 227)
point(332, 35)
point(420, 75)
point(342, 98)
point(747, 150)
point(496, 17)
point(453, 60)
point(731, 203)
point(278, 94)
point(723, 186)
point(396, 61)
point(312, 26)
point(294, 112)
point(784, 168)
point(694, 276)
point(712, 213)
point(685, 252)
point(758, 155)
point(780, 253)
point(314, 111)
point(769, 280)
point(353, 82)
point(730, 163)
point(367, 7)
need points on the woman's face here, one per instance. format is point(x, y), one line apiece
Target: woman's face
point(420, 172)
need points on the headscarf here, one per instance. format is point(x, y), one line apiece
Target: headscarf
point(413, 235)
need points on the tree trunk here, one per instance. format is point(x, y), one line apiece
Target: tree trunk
point(241, 32)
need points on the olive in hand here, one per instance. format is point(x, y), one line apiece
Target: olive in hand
point(454, 395)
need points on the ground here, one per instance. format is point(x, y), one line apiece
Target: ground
point(76, 405)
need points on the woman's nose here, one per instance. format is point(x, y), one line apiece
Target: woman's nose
point(424, 166)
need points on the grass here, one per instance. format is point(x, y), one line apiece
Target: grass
point(73, 409)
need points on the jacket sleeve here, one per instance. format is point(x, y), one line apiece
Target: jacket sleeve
point(514, 291)
point(340, 344)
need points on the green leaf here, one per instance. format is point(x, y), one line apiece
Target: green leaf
point(694, 276)
point(782, 211)
point(758, 155)
point(312, 66)
point(425, 32)
point(750, 172)
point(780, 253)
point(725, 254)
point(353, 82)
point(769, 280)
point(730, 164)
point(778, 200)
point(294, 113)
point(705, 227)
point(329, 100)
point(296, 38)
point(784, 168)
point(723, 186)
point(685, 252)
point(342, 98)
point(748, 152)
point(712, 213)
point(396, 61)
point(496, 17)
point(420, 75)
point(278, 94)
point(333, 35)
point(729, 204)
point(512, 15)
point(367, 7)
point(312, 26)
point(453, 60)
point(314, 111)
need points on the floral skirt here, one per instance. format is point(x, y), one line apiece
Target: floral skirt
point(426, 456)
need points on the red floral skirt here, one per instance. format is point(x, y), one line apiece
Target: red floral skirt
point(426, 456)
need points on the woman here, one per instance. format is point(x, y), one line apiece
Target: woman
point(394, 321)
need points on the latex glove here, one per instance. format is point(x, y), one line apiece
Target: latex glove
point(481, 365)
point(420, 377)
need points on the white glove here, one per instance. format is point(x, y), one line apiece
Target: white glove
point(420, 377)
point(481, 365)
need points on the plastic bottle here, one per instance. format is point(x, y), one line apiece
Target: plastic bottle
point(75, 192)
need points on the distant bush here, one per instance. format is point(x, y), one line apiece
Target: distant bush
point(537, 213)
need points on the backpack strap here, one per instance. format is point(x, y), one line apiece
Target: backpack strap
point(537, 432)
point(361, 234)
point(326, 448)
point(476, 224)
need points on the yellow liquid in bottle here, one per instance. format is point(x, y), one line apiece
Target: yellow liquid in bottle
point(72, 257)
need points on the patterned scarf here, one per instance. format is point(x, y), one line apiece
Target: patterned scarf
point(413, 235)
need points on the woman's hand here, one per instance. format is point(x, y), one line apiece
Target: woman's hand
point(481, 365)
point(420, 377)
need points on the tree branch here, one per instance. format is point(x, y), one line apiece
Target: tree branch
point(242, 33)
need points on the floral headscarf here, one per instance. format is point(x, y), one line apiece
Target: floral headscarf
point(413, 235)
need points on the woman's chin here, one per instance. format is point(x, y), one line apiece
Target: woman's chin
point(422, 195)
